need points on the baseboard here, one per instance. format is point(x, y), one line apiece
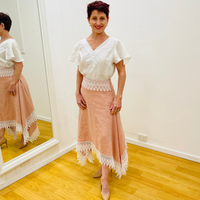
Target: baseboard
point(46, 119)
point(164, 150)
point(37, 166)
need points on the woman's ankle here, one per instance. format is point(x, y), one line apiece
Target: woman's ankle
point(100, 170)
point(2, 131)
point(104, 179)
point(105, 187)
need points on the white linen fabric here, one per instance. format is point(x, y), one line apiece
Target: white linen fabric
point(9, 52)
point(99, 64)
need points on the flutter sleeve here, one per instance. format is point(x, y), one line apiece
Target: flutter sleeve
point(75, 55)
point(120, 53)
point(13, 52)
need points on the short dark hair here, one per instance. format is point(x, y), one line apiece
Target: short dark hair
point(4, 18)
point(98, 5)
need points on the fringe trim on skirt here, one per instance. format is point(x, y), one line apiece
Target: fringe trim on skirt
point(13, 128)
point(87, 147)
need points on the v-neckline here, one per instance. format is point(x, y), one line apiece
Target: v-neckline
point(6, 40)
point(98, 46)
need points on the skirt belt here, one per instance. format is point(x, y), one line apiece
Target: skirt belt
point(96, 85)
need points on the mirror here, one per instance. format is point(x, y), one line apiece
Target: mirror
point(26, 31)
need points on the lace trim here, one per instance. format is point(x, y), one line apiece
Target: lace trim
point(98, 85)
point(30, 120)
point(34, 135)
point(7, 72)
point(84, 151)
point(13, 128)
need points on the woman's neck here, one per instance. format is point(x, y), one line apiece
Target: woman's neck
point(98, 35)
point(5, 35)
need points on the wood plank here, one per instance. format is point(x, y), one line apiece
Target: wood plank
point(151, 175)
point(13, 150)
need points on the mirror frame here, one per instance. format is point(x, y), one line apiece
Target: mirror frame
point(52, 98)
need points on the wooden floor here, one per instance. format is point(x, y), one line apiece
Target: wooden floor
point(151, 175)
point(13, 150)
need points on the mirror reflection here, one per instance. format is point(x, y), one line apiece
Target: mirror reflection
point(25, 119)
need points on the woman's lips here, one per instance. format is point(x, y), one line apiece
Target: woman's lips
point(98, 27)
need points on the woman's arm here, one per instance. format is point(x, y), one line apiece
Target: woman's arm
point(79, 98)
point(15, 78)
point(116, 104)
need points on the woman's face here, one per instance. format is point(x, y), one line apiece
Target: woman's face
point(98, 21)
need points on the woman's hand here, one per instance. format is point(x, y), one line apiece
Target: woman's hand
point(80, 101)
point(12, 88)
point(18, 70)
point(116, 105)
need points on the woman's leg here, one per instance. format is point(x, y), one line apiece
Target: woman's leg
point(2, 131)
point(84, 153)
point(22, 139)
point(100, 170)
point(104, 179)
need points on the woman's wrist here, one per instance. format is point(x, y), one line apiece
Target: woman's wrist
point(118, 96)
point(13, 82)
point(77, 93)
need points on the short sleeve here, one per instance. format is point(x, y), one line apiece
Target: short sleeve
point(75, 55)
point(120, 53)
point(13, 52)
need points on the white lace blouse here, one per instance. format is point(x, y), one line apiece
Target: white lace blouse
point(9, 52)
point(99, 64)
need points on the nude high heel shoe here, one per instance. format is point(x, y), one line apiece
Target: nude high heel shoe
point(4, 141)
point(105, 196)
point(98, 175)
point(22, 145)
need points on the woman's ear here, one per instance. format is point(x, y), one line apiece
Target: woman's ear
point(2, 25)
point(88, 20)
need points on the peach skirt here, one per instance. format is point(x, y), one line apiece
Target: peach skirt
point(17, 113)
point(100, 131)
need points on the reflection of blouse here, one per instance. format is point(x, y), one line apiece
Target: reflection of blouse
point(99, 64)
point(9, 52)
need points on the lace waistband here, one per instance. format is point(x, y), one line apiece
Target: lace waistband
point(7, 72)
point(96, 85)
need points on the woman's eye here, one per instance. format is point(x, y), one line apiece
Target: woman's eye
point(94, 18)
point(102, 18)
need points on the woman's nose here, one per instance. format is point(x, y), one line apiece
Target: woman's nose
point(98, 22)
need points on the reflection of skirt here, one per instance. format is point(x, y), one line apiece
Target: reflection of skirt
point(100, 131)
point(17, 113)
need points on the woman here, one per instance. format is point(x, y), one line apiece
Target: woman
point(99, 126)
point(17, 113)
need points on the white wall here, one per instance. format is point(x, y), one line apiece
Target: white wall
point(12, 9)
point(161, 97)
point(26, 30)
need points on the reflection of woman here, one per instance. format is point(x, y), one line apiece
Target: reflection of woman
point(16, 108)
point(99, 126)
